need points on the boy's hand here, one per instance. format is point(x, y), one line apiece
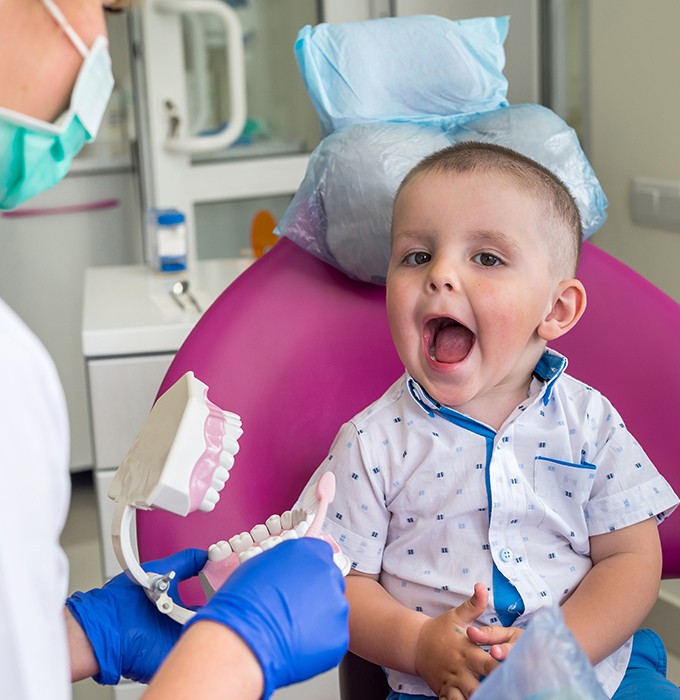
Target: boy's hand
point(500, 640)
point(446, 658)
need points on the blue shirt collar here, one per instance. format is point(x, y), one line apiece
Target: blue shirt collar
point(548, 369)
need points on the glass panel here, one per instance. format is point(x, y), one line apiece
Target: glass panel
point(281, 119)
point(566, 58)
point(223, 229)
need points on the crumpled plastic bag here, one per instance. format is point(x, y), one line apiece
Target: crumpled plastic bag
point(546, 664)
point(539, 133)
point(390, 92)
point(342, 211)
point(421, 68)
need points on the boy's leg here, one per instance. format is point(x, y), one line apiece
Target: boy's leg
point(646, 673)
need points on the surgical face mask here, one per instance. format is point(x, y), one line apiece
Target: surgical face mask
point(35, 155)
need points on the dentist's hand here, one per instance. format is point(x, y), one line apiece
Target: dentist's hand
point(129, 636)
point(288, 606)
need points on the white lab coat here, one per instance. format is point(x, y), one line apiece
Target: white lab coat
point(34, 498)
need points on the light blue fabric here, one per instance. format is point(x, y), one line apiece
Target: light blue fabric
point(33, 161)
point(423, 69)
point(390, 92)
point(342, 211)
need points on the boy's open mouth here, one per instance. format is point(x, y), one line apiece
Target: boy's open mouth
point(448, 340)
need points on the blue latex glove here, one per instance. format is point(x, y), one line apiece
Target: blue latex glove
point(129, 636)
point(288, 606)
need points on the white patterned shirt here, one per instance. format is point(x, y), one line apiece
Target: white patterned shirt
point(435, 501)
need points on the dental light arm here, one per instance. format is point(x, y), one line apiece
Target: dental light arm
point(179, 462)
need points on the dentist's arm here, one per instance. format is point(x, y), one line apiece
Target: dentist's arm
point(209, 661)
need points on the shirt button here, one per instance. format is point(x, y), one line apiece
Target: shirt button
point(506, 554)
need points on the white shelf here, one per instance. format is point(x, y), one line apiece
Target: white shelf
point(129, 309)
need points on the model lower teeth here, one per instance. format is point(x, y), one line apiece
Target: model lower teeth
point(224, 557)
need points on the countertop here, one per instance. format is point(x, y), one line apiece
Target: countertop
point(129, 309)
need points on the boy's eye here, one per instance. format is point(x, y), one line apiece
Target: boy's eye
point(487, 260)
point(418, 258)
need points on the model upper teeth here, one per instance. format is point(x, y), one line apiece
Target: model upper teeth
point(219, 478)
point(209, 500)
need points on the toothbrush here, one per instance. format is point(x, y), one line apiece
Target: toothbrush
point(325, 492)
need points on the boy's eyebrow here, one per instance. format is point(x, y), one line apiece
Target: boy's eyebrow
point(496, 237)
point(408, 234)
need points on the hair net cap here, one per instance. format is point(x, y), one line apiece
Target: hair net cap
point(418, 69)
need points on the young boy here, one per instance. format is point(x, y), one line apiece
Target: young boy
point(485, 470)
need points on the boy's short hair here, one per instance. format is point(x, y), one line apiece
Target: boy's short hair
point(531, 176)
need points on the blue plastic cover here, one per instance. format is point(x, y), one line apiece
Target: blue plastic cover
point(423, 69)
point(390, 92)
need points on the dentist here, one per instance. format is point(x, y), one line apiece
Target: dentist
point(281, 618)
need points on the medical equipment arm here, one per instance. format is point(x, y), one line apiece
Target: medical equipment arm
point(288, 605)
point(129, 637)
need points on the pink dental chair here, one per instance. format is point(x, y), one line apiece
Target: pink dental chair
point(296, 348)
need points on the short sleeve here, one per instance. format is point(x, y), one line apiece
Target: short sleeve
point(357, 519)
point(628, 488)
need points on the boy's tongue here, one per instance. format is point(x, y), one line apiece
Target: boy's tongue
point(452, 344)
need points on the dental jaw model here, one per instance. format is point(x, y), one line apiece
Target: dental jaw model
point(225, 556)
point(179, 462)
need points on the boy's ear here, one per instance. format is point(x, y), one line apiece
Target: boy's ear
point(567, 309)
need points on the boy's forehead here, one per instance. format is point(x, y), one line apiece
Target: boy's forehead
point(475, 182)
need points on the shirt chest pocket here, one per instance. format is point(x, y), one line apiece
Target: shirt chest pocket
point(563, 487)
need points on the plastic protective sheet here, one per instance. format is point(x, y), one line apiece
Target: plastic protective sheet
point(343, 209)
point(381, 121)
point(545, 664)
point(423, 69)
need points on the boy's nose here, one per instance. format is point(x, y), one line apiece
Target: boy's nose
point(442, 277)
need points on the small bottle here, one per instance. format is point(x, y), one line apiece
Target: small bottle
point(169, 240)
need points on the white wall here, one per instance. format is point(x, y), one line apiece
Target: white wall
point(635, 124)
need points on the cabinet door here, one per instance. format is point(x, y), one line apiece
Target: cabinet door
point(122, 392)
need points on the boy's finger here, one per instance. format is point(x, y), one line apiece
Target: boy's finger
point(474, 606)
